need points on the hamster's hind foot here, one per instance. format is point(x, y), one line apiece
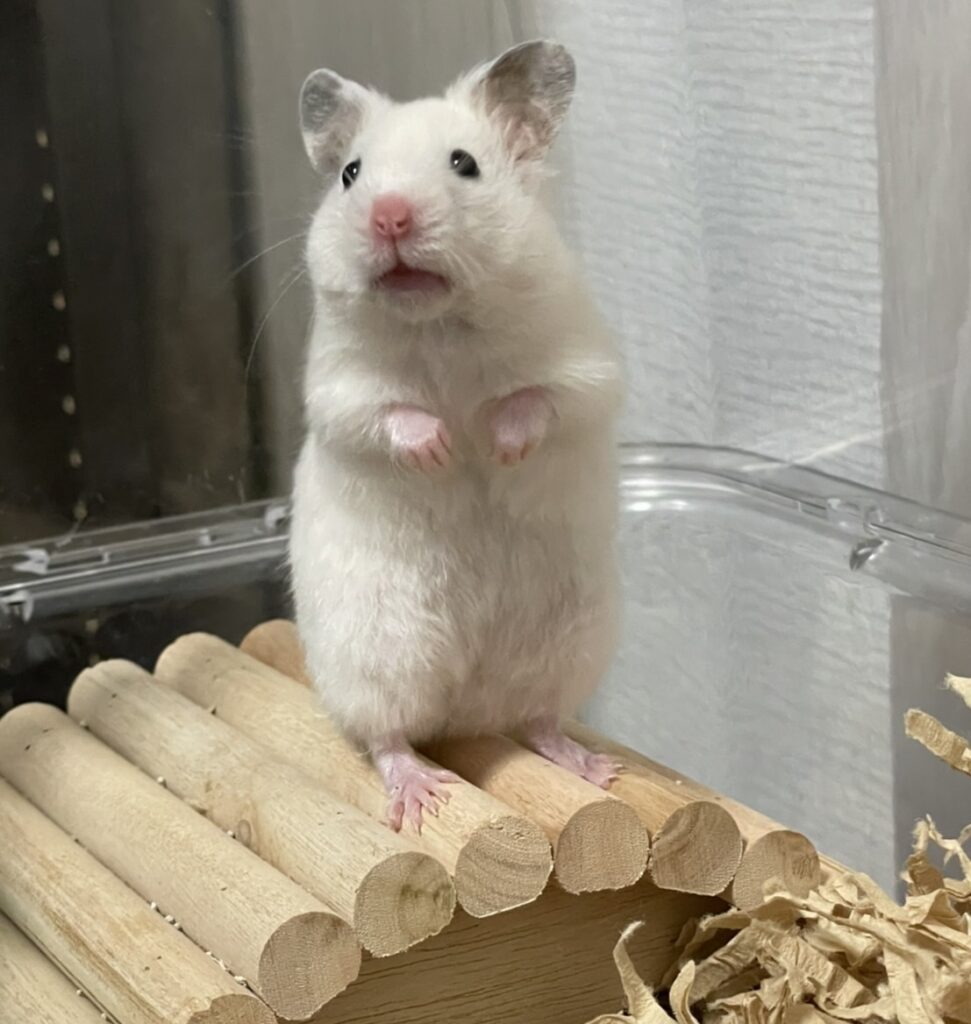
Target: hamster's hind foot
point(414, 786)
point(544, 736)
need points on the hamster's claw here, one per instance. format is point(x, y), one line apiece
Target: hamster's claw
point(600, 770)
point(418, 439)
point(518, 425)
point(430, 455)
point(414, 785)
point(420, 790)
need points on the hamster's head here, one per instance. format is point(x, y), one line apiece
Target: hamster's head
point(429, 203)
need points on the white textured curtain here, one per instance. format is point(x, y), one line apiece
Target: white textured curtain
point(724, 193)
point(723, 188)
point(773, 200)
point(924, 122)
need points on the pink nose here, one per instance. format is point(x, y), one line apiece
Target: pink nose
point(392, 216)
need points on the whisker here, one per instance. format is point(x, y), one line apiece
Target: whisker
point(258, 227)
point(262, 253)
point(299, 273)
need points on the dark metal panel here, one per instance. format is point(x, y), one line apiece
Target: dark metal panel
point(38, 486)
point(95, 198)
point(177, 103)
point(154, 324)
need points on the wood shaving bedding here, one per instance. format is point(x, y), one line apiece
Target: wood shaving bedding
point(845, 952)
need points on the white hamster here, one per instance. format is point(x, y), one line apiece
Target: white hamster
point(454, 516)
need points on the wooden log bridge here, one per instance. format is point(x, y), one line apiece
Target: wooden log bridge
point(703, 842)
point(202, 846)
point(498, 859)
point(392, 895)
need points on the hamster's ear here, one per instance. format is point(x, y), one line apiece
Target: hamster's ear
point(528, 90)
point(332, 110)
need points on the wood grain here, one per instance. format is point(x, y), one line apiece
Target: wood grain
point(498, 859)
point(598, 842)
point(276, 643)
point(546, 963)
point(32, 989)
point(138, 968)
point(771, 852)
point(393, 895)
point(285, 943)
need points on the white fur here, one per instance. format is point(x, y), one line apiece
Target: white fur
point(480, 596)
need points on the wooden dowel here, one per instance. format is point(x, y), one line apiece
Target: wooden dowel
point(292, 951)
point(771, 853)
point(697, 845)
point(32, 989)
point(393, 895)
point(108, 939)
point(599, 842)
point(277, 643)
point(498, 859)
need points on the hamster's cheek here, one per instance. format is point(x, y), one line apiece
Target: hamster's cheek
point(495, 220)
point(334, 259)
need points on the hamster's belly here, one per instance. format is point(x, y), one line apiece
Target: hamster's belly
point(442, 605)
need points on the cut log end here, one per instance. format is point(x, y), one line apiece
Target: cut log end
point(306, 962)
point(697, 851)
point(504, 864)
point(406, 898)
point(234, 1009)
point(604, 845)
point(786, 859)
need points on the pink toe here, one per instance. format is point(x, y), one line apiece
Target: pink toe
point(396, 810)
point(414, 815)
point(601, 771)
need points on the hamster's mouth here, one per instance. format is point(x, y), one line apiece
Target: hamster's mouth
point(402, 278)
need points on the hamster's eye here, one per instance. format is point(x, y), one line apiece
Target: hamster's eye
point(350, 173)
point(464, 164)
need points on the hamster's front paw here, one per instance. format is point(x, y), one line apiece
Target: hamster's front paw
point(419, 440)
point(518, 424)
